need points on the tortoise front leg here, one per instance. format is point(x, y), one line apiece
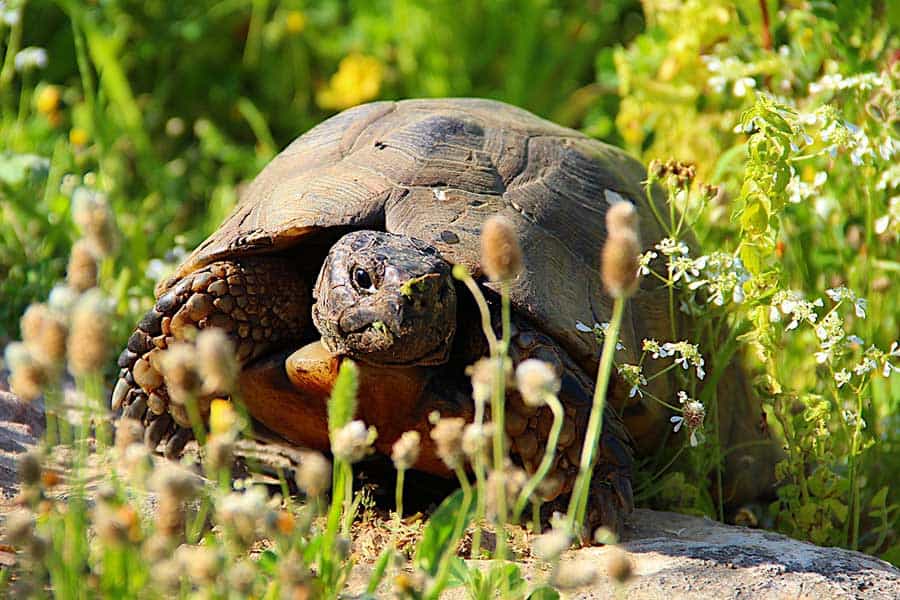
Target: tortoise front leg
point(261, 302)
point(611, 497)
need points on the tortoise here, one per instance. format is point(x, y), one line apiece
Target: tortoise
point(343, 247)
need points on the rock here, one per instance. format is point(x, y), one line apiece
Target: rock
point(679, 556)
point(21, 426)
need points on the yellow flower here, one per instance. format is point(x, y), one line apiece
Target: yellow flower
point(295, 22)
point(358, 79)
point(47, 100)
point(222, 417)
point(78, 136)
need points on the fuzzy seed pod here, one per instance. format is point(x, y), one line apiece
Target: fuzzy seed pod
point(476, 440)
point(618, 567)
point(501, 255)
point(217, 361)
point(352, 442)
point(174, 481)
point(81, 273)
point(509, 482)
point(29, 468)
point(44, 333)
point(220, 452)
point(94, 217)
point(202, 563)
point(536, 380)
point(314, 474)
point(549, 546)
point(128, 432)
point(621, 252)
point(19, 526)
point(27, 381)
point(179, 365)
point(405, 451)
point(447, 435)
point(89, 334)
point(573, 574)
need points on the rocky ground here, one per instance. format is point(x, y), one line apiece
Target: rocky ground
point(672, 555)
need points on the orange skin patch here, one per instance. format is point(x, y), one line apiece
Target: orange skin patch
point(289, 396)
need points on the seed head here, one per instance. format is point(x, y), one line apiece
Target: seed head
point(202, 563)
point(217, 361)
point(476, 439)
point(242, 512)
point(508, 482)
point(536, 380)
point(241, 576)
point(447, 435)
point(314, 474)
point(501, 256)
point(220, 452)
point(179, 365)
point(30, 468)
point(89, 335)
point(352, 442)
point(573, 574)
point(174, 481)
point(128, 432)
point(405, 452)
point(81, 274)
point(92, 214)
point(44, 333)
point(27, 380)
point(621, 252)
point(19, 527)
point(549, 546)
point(618, 567)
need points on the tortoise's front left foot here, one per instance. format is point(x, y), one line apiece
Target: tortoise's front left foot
point(260, 302)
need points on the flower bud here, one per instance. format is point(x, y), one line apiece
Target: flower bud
point(621, 252)
point(352, 442)
point(179, 365)
point(501, 256)
point(405, 451)
point(217, 361)
point(618, 567)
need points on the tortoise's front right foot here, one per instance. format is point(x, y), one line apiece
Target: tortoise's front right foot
point(260, 302)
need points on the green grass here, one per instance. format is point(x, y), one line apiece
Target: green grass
point(163, 110)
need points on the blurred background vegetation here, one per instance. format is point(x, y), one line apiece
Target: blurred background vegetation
point(167, 108)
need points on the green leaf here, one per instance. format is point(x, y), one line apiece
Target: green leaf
point(268, 562)
point(544, 592)
point(379, 570)
point(342, 403)
point(439, 531)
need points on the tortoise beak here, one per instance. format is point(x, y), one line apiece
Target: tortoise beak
point(386, 311)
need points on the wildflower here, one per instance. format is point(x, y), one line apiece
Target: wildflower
point(357, 80)
point(405, 451)
point(89, 333)
point(644, 261)
point(599, 330)
point(652, 346)
point(693, 415)
point(352, 442)
point(295, 21)
point(791, 303)
point(536, 380)
point(476, 439)
point(671, 247)
point(682, 267)
point(842, 377)
point(501, 256)
point(620, 256)
point(549, 546)
point(27, 377)
point(841, 294)
point(447, 435)
point(618, 567)
point(47, 99)
point(81, 273)
point(223, 419)
point(30, 58)
point(217, 361)
point(742, 85)
point(866, 365)
point(887, 366)
point(314, 474)
point(686, 354)
point(634, 376)
point(852, 418)
point(78, 137)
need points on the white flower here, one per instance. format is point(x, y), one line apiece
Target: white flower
point(644, 262)
point(742, 85)
point(670, 247)
point(842, 377)
point(30, 58)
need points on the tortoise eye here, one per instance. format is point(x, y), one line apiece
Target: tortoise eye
point(363, 280)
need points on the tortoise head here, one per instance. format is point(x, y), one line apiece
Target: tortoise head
point(384, 298)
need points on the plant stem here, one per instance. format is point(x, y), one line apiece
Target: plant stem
point(547, 462)
point(578, 502)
